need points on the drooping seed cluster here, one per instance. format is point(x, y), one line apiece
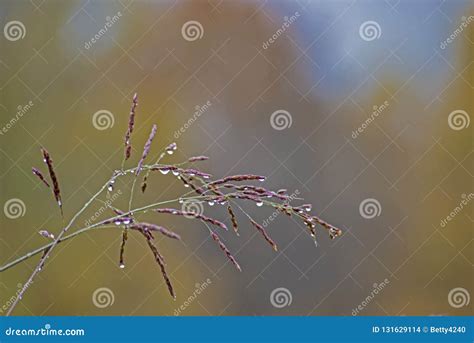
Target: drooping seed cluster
point(226, 251)
point(233, 219)
point(159, 259)
point(264, 234)
point(225, 191)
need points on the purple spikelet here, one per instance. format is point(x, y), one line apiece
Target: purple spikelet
point(159, 259)
point(146, 149)
point(226, 251)
point(56, 191)
point(40, 176)
point(264, 234)
point(131, 125)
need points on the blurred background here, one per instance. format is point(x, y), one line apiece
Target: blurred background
point(364, 107)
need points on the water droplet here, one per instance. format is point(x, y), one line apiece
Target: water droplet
point(164, 171)
point(122, 266)
point(110, 188)
point(259, 203)
point(126, 221)
point(170, 152)
point(206, 177)
point(180, 200)
point(118, 222)
point(211, 203)
point(175, 172)
point(186, 185)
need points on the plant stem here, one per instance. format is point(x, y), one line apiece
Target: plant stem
point(56, 241)
point(85, 229)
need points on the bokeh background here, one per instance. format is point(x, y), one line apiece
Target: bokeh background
point(413, 161)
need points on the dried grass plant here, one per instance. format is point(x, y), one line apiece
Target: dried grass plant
point(227, 191)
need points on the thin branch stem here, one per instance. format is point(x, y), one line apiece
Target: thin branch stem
point(56, 241)
point(90, 227)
